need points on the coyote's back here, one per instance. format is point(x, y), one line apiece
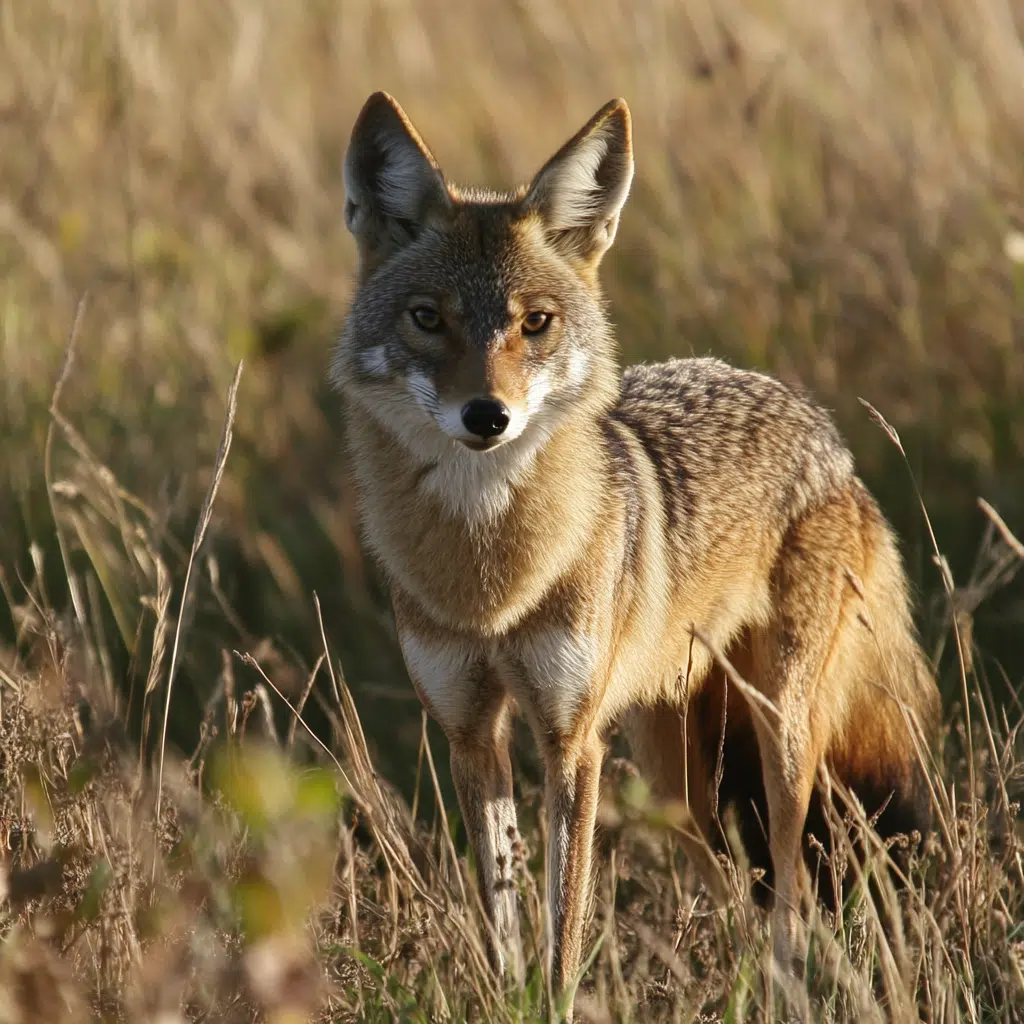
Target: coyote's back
point(586, 546)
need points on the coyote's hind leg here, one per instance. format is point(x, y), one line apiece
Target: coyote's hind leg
point(797, 669)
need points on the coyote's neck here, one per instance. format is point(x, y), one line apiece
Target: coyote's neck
point(477, 539)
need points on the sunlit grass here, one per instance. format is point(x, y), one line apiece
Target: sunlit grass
point(829, 191)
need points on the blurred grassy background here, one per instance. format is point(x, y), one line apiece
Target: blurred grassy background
point(829, 191)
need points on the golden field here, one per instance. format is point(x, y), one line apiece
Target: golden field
point(829, 191)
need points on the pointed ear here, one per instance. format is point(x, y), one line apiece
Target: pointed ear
point(392, 182)
point(581, 190)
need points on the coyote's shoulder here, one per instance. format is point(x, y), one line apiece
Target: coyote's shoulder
point(584, 546)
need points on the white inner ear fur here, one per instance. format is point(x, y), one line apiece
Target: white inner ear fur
point(404, 180)
point(405, 177)
point(575, 198)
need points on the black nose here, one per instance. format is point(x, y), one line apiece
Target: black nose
point(485, 417)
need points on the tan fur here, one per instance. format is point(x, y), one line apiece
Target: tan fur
point(565, 571)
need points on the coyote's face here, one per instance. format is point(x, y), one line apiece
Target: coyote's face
point(478, 323)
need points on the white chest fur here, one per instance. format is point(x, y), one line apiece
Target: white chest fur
point(553, 668)
point(550, 671)
point(447, 673)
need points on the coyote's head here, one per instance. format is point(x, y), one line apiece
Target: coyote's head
point(478, 322)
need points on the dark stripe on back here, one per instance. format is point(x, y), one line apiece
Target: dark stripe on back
point(674, 478)
point(626, 477)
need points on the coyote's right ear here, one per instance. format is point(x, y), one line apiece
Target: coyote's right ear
point(580, 191)
point(392, 182)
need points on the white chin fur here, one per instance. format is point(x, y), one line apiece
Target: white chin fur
point(475, 485)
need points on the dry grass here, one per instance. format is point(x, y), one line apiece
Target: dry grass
point(831, 191)
point(284, 881)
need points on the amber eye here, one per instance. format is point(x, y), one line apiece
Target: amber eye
point(426, 319)
point(536, 322)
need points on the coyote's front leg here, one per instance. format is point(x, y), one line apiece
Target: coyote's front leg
point(572, 785)
point(482, 774)
point(455, 686)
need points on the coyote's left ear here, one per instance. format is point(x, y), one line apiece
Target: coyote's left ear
point(580, 191)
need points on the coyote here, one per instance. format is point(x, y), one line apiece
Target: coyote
point(582, 544)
